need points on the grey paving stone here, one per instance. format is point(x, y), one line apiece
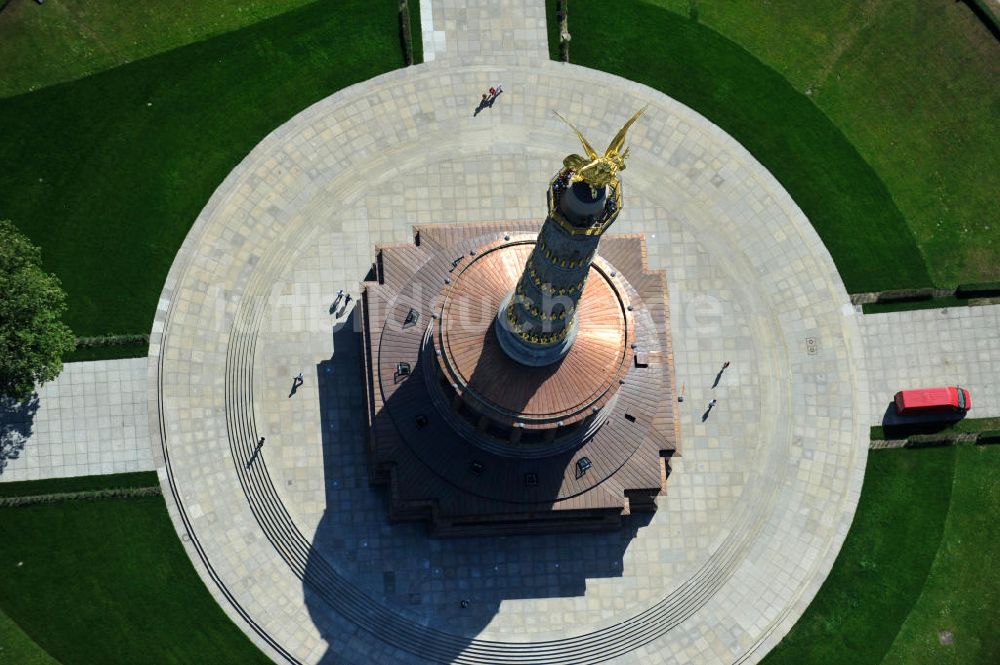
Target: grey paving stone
point(934, 347)
point(92, 419)
point(757, 504)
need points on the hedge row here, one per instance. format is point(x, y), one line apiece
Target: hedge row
point(562, 15)
point(905, 295)
point(990, 436)
point(951, 438)
point(405, 32)
point(964, 291)
point(978, 290)
point(110, 340)
point(92, 495)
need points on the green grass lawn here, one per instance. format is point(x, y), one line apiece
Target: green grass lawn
point(961, 595)
point(912, 84)
point(840, 193)
point(16, 648)
point(108, 582)
point(64, 40)
point(108, 173)
point(107, 352)
point(916, 560)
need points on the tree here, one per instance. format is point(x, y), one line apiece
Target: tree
point(32, 336)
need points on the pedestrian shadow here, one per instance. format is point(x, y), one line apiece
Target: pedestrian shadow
point(718, 377)
point(256, 453)
point(16, 422)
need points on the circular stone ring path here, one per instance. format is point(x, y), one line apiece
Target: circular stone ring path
point(287, 533)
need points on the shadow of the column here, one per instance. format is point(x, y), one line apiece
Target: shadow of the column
point(395, 572)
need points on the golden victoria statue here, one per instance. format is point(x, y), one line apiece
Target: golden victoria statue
point(599, 170)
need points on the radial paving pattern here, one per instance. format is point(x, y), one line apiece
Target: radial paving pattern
point(288, 534)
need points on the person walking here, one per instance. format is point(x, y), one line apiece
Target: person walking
point(297, 381)
point(255, 453)
point(712, 403)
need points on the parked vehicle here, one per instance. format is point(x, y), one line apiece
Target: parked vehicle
point(926, 401)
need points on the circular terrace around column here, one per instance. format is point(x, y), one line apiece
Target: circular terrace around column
point(288, 535)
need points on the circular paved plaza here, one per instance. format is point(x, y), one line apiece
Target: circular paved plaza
point(287, 533)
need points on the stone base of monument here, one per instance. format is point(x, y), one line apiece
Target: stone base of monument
point(476, 443)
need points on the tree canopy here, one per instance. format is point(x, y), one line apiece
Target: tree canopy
point(32, 334)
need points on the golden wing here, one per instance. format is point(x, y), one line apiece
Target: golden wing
point(586, 146)
point(616, 143)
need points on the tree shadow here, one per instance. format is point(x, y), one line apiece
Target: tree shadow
point(393, 578)
point(16, 422)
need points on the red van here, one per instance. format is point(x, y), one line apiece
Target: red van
point(948, 399)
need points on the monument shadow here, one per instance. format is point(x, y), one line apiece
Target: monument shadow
point(421, 595)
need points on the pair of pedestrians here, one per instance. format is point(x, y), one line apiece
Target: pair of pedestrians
point(712, 402)
point(488, 98)
point(336, 301)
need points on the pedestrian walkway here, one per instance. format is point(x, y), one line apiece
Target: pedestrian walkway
point(934, 347)
point(483, 31)
point(91, 420)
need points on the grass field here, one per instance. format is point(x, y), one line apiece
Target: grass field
point(63, 40)
point(839, 192)
point(108, 173)
point(914, 564)
point(107, 352)
point(16, 648)
point(961, 594)
point(912, 84)
point(108, 582)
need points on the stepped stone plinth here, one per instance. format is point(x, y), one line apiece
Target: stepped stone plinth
point(518, 379)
